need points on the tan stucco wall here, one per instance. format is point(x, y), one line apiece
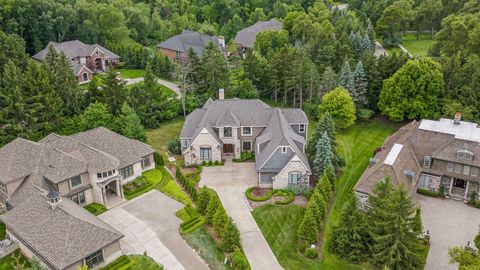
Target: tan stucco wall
point(137, 171)
point(295, 165)
point(64, 187)
point(110, 253)
point(255, 132)
point(203, 139)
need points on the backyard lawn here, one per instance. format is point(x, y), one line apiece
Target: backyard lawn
point(131, 73)
point(418, 47)
point(160, 137)
point(279, 223)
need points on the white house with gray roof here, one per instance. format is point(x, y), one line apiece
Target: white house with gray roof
point(226, 127)
point(43, 186)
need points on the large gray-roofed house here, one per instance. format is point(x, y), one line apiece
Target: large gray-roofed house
point(176, 47)
point(246, 37)
point(226, 127)
point(78, 171)
point(427, 155)
point(85, 59)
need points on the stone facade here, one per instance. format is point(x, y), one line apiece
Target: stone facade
point(204, 139)
point(295, 165)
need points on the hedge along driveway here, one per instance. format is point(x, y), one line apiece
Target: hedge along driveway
point(230, 181)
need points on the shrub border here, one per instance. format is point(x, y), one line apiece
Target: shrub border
point(428, 193)
point(270, 194)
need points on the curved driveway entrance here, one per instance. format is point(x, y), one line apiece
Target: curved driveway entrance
point(230, 182)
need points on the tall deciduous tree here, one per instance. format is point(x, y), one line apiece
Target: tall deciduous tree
point(413, 91)
point(340, 106)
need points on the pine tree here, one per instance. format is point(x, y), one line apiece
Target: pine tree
point(331, 176)
point(203, 198)
point(417, 225)
point(323, 156)
point(64, 82)
point(130, 124)
point(321, 204)
point(114, 91)
point(95, 115)
point(213, 203)
point(324, 124)
point(361, 86)
point(308, 229)
point(93, 93)
point(214, 72)
point(230, 236)
point(349, 238)
point(219, 220)
point(346, 78)
point(395, 241)
point(325, 188)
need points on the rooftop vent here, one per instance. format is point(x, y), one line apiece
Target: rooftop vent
point(409, 174)
point(372, 162)
point(54, 198)
point(457, 118)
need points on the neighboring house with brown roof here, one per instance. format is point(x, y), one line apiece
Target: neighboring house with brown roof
point(428, 154)
point(226, 127)
point(246, 37)
point(43, 186)
point(176, 48)
point(86, 59)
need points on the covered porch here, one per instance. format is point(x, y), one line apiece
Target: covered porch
point(112, 191)
point(460, 189)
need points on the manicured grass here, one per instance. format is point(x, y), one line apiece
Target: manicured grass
point(418, 47)
point(160, 137)
point(3, 230)
point(279, 223)
point(153, 177)
point(279, 226)
point(171, 188)
point(10, 261)
point(169, 92)
point(393, 50)
point(95, 208)
point(201, 241)
point(131, 73)
point(126, 262)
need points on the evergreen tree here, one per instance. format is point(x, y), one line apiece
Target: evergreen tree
point(230, 236)
point(95, 115)
point(203, 198)
point(328, 81)
point(361, 86)
point(417, 225)
point(219, 220)
point(395, 241)
point(130, 124)
point(346, 79)
point(212, 206)
point(331, 176)
point(214, 72)
point(94, 92)
point(323, 156)
point(308, 229)
point(321, 204)
point(312, 203)
point(66, 85)
point(349, 236)
point(324, 124)
point(114, 91)
point(325, 188)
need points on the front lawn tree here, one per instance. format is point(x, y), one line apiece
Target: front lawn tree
point(324, 155)
point(308, 229)
point(414, 91)
point(340, 106)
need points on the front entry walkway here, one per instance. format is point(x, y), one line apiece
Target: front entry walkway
point(149, 225)
point(230, 182)
point(450, 223)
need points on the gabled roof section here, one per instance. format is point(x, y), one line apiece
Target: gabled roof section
point(295, 116)
point(228, 120)
point(247, 36)
point(73, 49)
point(189, 39)
point(62, 235)
point(18, 159)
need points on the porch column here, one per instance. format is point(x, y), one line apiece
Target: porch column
point(466, 191)
point(451, 186)
point(104, 195)
point(119, 189)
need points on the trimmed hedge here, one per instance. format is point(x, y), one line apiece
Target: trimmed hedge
point(287, 194)
point(118, 263)
point(427, 192)
point(245, 156)
point(187, 183)
point(191, 219)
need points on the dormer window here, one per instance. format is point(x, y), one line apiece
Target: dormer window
point(427, 161)
point(301, 128)
point(284, 149)
point(464, 154)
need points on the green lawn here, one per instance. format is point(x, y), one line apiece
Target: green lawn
point(95, 208)
point(169, 92)
point(3, 230)
point(418, 47)
point(160, 137)
point(127, 261)
point(201, 241)
point(10, 261)
point(131, 73)
point(279, 223)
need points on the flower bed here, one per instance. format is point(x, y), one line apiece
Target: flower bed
point(257, 194)
point(245, 156)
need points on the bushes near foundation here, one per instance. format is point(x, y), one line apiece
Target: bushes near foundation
point(245, 156)
point(427, 192)
point(287, 195)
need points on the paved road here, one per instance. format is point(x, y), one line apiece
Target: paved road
point(379, 50)
point(165, 83)
point(451, 224)
point(230, 181)
point(149, 224)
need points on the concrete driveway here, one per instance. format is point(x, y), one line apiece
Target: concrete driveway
point(451, 224)
point(149, 224)
point(230, 182)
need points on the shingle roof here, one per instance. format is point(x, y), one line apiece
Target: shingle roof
point(189, 39)
point(62, 235)
point(247, 36)
point(73, 49)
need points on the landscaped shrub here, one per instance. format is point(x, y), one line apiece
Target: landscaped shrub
point(288, 195)
point(308, 193)
point(117, 264)
point(174, 146)
point(245, 156)
point(230, 236)
point(216, 162)
point(311, 253)
point(365, 114)
point(441, 191)
point(427, 192)
point(239, 261)
point(136, 184)
point(204, 163)
point(157, 157)
point(210, 163)
point(473, 197)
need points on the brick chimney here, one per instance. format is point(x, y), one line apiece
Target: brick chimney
point(221, 94)
point(457, 118)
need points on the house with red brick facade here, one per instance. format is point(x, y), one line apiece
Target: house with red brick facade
point(86, 59)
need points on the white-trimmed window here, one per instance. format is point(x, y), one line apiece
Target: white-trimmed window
point(458, 168)
point(78, 198)
point(466, 169)
point(85, 76)
point(474, 171)
point(227, 132)
point(246, 131)
point(301, 128)
point(284, 149)
point(205, 153)
point(450, 166)
point(294, 177)
point(95, 259)
point(75, 181)
point(185, 143)
point(146, 162)
point(246, 146)
point(126, 172)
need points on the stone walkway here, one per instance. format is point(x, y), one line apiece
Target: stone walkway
point(230, 182)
